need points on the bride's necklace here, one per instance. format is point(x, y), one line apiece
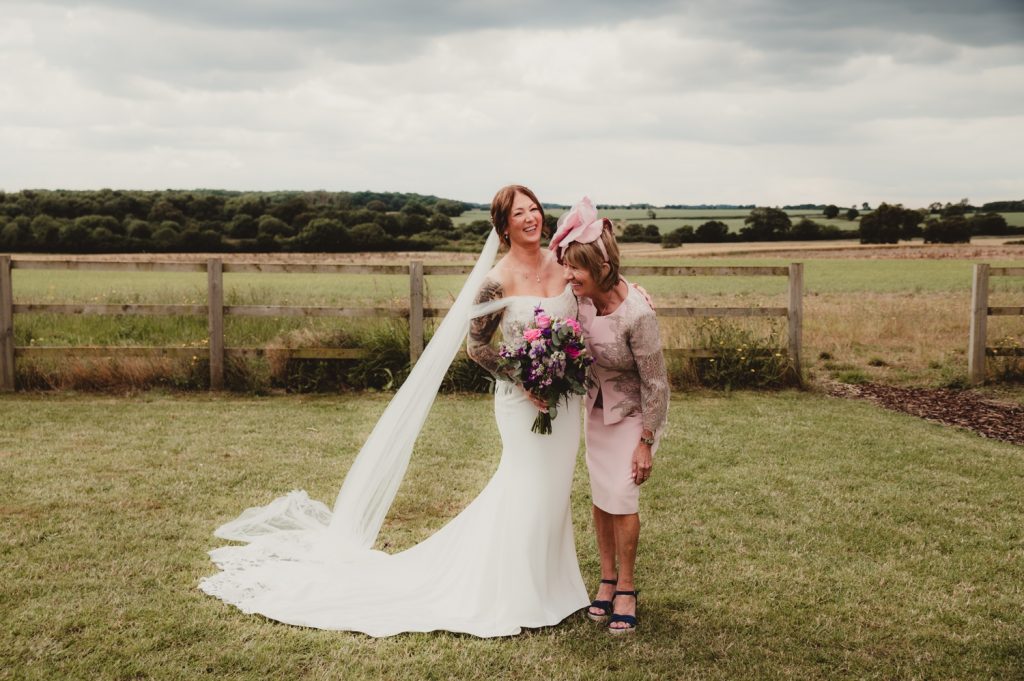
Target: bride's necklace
point(528, 275)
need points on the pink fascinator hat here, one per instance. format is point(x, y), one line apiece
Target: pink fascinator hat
point(580, 224)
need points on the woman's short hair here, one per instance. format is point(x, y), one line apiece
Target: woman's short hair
point(501, 206)
point(588, 256)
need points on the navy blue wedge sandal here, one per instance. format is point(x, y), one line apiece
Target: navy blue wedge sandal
point(629, 620)
point(606, 606)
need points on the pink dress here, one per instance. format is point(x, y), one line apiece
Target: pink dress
point(631, 394)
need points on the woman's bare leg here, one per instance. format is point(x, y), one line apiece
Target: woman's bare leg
point(627, 536)
point(604, 526)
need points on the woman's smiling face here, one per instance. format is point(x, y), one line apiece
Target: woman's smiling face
point(580, 279)
point(525, 223)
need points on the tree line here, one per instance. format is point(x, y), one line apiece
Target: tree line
point(888, 223)
point(106, 221)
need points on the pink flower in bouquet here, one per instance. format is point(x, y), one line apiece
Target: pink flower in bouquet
point(551, 362)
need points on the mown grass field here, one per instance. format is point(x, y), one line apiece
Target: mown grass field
point(786, 535)
point(880, 315)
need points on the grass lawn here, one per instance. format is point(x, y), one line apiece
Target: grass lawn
point(786, 535)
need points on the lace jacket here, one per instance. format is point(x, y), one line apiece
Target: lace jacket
point(629, 366)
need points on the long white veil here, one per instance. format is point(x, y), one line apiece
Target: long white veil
point(296, 524)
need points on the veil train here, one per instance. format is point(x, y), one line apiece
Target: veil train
point(506, 561)
point(294, 525)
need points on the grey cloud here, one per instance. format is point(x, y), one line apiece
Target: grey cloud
point(805, 44)
point(373, 20)
point(800, 45)
point(239, 44)
point(296, 86)
point(128, 60)
point(975, 23)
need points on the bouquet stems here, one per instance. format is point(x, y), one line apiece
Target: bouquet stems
point(542, 424)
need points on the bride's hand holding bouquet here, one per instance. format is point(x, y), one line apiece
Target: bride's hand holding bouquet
point(550, 360)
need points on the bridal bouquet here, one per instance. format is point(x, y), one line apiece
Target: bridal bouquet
point(548, 357)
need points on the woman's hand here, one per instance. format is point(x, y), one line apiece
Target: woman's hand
point(642, 291)
point(541, 405)
point(642, 463)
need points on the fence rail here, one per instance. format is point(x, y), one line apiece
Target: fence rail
point(215, 310)
point(977, 349)
point(187, 352)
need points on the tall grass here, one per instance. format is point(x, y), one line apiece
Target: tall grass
point(745, 359)
point(896, 321)
point(1008, 368)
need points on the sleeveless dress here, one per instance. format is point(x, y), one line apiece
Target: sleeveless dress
point(507, 561)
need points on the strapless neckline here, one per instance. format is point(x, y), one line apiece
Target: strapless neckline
point(535, 297)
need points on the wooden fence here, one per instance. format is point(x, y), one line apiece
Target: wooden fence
point(977, 349)
point(215, 310)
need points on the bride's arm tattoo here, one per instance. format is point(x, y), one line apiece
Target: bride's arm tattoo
point(481, 329)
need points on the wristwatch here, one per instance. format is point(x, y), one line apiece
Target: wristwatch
point(649, 441)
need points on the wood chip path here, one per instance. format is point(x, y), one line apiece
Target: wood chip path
point(964, 408)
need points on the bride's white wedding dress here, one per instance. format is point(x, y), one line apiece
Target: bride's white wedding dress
point(507, 561)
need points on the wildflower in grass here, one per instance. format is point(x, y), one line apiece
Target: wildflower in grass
point(742, 359)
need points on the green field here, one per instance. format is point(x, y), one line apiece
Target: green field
point(822, 275)
point(668, 219)
point(785, 535)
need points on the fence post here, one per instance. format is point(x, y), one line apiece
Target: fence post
point(795, 314)
point(6, 326)
point(415, 311)
point(215, 300)
point(979, 324)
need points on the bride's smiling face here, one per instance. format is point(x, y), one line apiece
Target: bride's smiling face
point(525, 222)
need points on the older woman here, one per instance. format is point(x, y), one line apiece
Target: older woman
point(627, 408)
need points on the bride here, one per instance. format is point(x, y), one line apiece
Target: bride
point(507, 561)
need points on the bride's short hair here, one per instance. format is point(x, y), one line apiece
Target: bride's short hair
point(501, 206)
point(588, 256)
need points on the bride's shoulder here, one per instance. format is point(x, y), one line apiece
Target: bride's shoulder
point(551, 260)
point(493, 286)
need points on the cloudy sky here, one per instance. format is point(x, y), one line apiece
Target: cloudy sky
point(660, 101)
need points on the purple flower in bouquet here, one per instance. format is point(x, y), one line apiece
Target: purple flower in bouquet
point(549, 359)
